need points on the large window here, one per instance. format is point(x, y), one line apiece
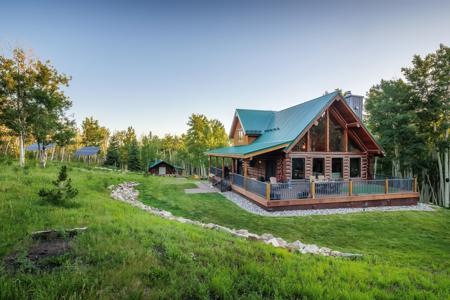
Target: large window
point(318, 166)
point(318, 136)
point(353, 147)
point(336, 167)
point(298, 168)
point(301, 145)
point(355, 167)
point(336, 137)
point(240, 135)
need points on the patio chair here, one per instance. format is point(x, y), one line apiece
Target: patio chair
point(273, 180)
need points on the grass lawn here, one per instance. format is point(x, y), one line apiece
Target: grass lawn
point(127, 253)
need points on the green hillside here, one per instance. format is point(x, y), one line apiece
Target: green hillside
point(128, 253)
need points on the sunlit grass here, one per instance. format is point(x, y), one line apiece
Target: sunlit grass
point(127, 253)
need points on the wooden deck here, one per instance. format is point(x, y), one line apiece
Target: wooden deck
point(393, 199)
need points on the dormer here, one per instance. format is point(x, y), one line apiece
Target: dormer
point(248, 125)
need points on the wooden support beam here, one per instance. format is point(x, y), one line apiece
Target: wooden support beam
point(308, 141)
point(345, 139)
point(223, 167)
point(415, 185)
point(350, 187)
point(312, 189)
point(386, 186)
point(268, 191)
point(327, 131)
point(209, 165)
point(353, 125)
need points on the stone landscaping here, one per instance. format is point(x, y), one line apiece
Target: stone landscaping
point(126, 192)
point(255, 209)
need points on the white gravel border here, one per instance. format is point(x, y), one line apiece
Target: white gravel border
point(251, 207)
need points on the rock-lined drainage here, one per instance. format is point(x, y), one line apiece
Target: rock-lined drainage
point(126, 192)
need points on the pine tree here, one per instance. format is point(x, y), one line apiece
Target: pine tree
point(134, 161)
point(113, 154)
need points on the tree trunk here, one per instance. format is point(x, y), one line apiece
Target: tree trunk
point(53, 152)
point(42, 157)
point(62, 153)
point(446, 186)
point(7, 147)
point(22, 150)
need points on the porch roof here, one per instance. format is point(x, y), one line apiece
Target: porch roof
point(246, 150)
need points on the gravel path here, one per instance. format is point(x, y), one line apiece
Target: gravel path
point(255, 209)
point(202, 188)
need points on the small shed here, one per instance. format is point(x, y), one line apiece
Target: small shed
point(36, 147)
point(87, 153)
point(162, 168)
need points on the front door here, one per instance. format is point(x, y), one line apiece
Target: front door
point(271, 169)
point(162, 170)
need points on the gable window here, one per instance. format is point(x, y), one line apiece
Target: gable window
point(336, 137)
point(298, 168)
point(353, 147)
point(336, 167)
point(240, 135)
point(318, 166)
point(318, 135)
point(300, 146)
point(355, 167)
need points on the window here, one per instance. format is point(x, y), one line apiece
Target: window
point(301, 146)
point(355, 167)
point(318, 166)
point(336, 137)
point(240, 135)
point(336, 168)
point(298, 168)
point(318, 136)
point(353, 147)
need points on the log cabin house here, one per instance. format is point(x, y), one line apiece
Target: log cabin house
point(317, 154)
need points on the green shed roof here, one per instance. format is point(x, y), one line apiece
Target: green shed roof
point(158, 161)
point(276, 128)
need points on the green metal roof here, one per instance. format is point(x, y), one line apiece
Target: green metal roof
point(254, 121)
point(276, 128)
point(158, 161)
point(245, 149)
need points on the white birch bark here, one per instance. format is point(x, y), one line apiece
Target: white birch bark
point(22, 150)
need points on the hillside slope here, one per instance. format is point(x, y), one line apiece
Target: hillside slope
point(127, 253)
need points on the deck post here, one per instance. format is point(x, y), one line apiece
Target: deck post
point(245, 173)
point(268, 191)
point(223, 167)
point(312, 188)
point(350, 187)
point(217, 165)
point(386, 186)
point(415, 185)
point(209, 165)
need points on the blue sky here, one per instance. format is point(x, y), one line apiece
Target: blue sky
point(151, 64)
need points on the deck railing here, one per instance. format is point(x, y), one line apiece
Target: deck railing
point(215, 171)
point(251, 185)
point(305, 189)
point(290, 190)
point(331, 189)
point(368, 187)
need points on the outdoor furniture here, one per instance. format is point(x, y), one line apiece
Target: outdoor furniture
point(273, 180)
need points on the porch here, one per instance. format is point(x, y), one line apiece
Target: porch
point(313, 194)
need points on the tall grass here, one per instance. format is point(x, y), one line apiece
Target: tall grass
point(129, 254)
